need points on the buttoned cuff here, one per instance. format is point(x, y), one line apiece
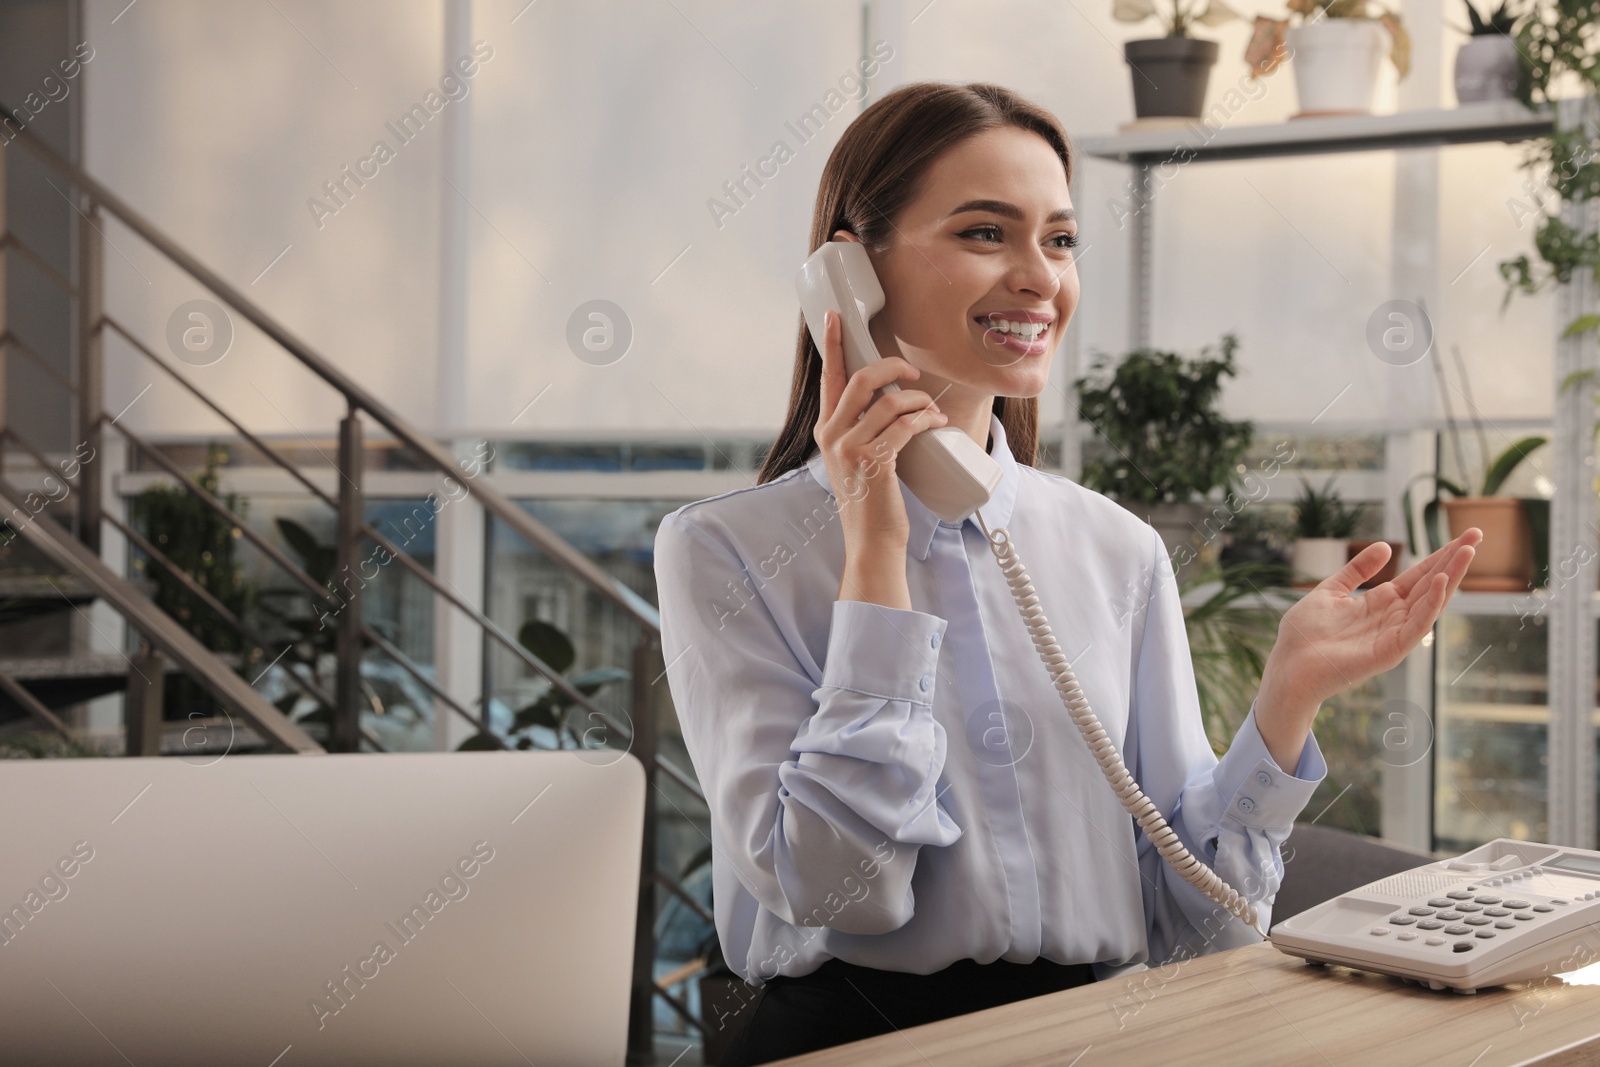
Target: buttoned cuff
point(1259, 793)
point(891, 653)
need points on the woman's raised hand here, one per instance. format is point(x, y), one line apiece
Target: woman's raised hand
point(860, 439)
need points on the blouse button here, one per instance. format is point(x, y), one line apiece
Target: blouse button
point(933, 641)
point(1246, 805)
point(924, 682)
point(1263, 777)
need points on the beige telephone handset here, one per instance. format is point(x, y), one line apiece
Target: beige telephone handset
point(953, 477)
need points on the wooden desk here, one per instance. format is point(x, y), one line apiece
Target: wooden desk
point(1253, 1005)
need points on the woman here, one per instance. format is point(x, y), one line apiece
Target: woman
point(905, 824)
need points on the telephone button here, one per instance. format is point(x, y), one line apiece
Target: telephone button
point(1504, 924)
point(1496, 912)
point(1525, 916)
point(1380, 931)
point(1543, 907)
point(1477, 920)
point(1469, 907)
point(1430, 924)
point(1402, 920)
point(1407, 935)
point(1487, 900)
point(1439, 902)
point(1458, 929)
point(1516, 903)
point(1424, 912)
point(1435, 941)
point(1485, 933)
point(1459, 894)
point(1463, 946)
point(1586, 896)
point(1449, 916)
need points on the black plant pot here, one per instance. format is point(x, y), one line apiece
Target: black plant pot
point(1170, 75)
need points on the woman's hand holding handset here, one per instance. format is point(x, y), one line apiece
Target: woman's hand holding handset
point(860, 439)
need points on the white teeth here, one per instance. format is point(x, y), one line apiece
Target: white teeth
point(1026, 330)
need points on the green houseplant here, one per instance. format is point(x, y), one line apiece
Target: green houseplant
point(1515, 541)
point(1323, 526)
point(1170, 73)
point(1558, 45)
point(1165, 446)
point(204, 546)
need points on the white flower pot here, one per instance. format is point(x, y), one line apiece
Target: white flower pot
point(1335, 64)
point(1316, 558)
point(1486, 69)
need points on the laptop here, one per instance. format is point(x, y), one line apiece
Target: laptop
point(472, 908)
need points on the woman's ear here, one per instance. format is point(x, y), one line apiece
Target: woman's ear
point(845, 235)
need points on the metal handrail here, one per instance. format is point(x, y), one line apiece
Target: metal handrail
point(493, 501)
point(346, 730)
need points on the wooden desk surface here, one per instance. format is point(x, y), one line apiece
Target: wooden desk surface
point(1253, 1005)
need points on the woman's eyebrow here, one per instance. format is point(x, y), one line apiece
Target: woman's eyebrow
point(1010, 211)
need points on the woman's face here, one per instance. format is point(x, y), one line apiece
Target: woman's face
point(978, 262)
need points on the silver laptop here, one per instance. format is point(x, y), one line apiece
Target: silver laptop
point(420, 908)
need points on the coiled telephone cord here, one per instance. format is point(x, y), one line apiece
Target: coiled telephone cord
point(1141, 807)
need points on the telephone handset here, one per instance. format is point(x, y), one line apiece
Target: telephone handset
point(943, 466)
point(954, 478)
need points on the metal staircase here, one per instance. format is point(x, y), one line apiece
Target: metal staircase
point(67, 529)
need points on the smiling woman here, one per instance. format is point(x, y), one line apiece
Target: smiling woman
point(876, 698)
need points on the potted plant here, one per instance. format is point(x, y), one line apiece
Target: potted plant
point(1166, 445)
point(1559, 48)
point(1504, 561)
point(1487, 65)
point(1323, 526)
point(1337, 48)
point(1170, 73)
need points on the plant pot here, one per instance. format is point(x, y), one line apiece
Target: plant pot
point(1390, 568)
point(1179, 527)
point(1335, 65)
point(1486, 69)
point(1503, 560)
point(1316, 558)
point(1170, 75)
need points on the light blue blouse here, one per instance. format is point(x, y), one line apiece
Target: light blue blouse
point(902, 789)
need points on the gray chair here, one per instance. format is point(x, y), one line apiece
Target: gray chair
point(1319, 863)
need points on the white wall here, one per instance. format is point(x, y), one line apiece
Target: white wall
point(600, 130)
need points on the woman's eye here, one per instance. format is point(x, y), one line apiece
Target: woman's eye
point(990, 234)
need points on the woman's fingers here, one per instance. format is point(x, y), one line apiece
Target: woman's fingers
point(1426, 568)
point(832, 366)
point(891, 407)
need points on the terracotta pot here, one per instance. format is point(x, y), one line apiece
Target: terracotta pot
point(1335, 64)
point(1503, 561)
point(1385, 572)
point(1316, 558)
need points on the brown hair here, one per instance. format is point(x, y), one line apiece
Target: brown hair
point(874, 171)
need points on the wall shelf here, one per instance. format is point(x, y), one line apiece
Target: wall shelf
point(1496, 120)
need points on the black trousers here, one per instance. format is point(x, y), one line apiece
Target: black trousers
point(841, 1002)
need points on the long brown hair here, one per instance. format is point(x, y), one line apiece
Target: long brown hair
point(875, 170)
